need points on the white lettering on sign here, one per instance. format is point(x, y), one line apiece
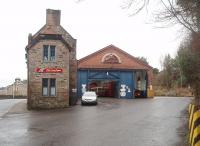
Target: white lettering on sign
point(48, 70)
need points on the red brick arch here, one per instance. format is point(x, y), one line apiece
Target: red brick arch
point(111, 58)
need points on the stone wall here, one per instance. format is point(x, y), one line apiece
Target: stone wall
point(52, 33)
point(73, 76)
point(35, 60)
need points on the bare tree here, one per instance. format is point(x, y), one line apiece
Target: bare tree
point(184, 12)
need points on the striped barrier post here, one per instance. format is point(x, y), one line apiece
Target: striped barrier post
point(196, 133)
point(190, 107)
point(194, 125)
point(191, 112)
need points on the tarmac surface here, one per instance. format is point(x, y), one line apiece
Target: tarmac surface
point(6, 104)
point(113, 122)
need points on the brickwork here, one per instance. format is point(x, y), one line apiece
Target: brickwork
point(65, 58)
point(126, 61)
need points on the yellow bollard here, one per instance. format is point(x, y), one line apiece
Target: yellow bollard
point(150, 93)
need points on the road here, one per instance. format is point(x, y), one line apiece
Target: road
point(6, 104)
point(113, 122)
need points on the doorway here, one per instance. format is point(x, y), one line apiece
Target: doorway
point(105, 88)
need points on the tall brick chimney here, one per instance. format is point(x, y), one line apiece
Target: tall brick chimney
point(53, 17)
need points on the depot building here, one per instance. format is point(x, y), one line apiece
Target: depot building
point(112, 72)
point(56, 79)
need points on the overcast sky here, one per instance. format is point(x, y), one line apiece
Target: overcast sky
point(94, 23)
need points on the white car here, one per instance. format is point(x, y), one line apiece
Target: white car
point(89, 97)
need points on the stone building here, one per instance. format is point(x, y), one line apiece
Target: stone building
point(18, 88)
point(52, 65)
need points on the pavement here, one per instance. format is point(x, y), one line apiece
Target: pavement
point(8, 104)
point(113, 122)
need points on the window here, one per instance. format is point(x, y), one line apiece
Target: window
point(52, 53)
point(49, 53)
point(48, 87)
point(52, 87)
point(45, 87)
point(45, 52)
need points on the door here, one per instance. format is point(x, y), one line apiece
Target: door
point(126, 84)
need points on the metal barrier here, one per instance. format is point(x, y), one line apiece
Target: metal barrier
point(194, 125)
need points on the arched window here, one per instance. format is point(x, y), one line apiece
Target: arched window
point(111, 58)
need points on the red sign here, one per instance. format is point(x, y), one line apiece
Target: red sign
point(49, 70)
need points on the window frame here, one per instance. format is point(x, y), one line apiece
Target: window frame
point(51, 47)
point(49, 53)
point(50, 87)
point(49, 94)
point(44, 86)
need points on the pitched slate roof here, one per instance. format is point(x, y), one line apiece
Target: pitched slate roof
point(53, 33)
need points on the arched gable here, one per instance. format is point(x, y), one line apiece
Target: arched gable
point(111, 58)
